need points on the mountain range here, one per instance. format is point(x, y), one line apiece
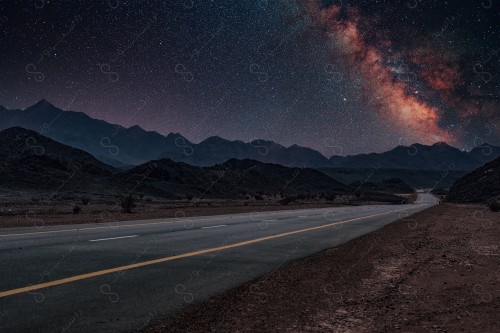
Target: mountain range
point(32, 163)
point(127, 147)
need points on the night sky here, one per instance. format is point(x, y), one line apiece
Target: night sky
point(342, 77)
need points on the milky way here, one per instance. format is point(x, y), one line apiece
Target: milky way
point(342, 77)
point(385, 94)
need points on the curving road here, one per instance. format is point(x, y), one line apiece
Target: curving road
point(121, 277)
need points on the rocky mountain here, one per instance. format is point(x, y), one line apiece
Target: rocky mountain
point(439, 156)
point(127, 147)
point(479, 185)
point(112, 144)
point(37, 167)
point(32, 162)
point(216, 150)
point(232, 179)
point(122, 147)
point(413, 177)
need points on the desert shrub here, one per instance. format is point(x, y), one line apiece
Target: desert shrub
point(346, 200)
point(76, 209)
point(189, 197)
point(494, 205)
point(258, 197)
point(330, 197)
point(85, 201)
point(301, 196)
point(127, 203)
point(286, 200)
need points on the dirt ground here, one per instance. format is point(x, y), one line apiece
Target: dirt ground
point(15, 214)
point(435, 271)
point(39, 214)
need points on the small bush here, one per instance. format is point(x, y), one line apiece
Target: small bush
point(85, 201)
point(330, 197)
point(286, 200)
point(494, 205)
point(189, 197)
point(127, 203)
point(258, 197)
point(76, 209)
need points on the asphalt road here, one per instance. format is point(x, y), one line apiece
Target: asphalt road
point(122, 277)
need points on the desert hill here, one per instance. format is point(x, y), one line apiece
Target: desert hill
point(480, 185)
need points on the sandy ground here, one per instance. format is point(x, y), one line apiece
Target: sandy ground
point(436, 271)
point(42, 214)
point(38, 214)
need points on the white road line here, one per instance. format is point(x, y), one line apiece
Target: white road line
point(105, 239)
point(122, 224)
point(215, 226)
point(118, 225)
point(302, 216)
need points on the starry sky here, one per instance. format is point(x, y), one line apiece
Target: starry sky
point(342, 77)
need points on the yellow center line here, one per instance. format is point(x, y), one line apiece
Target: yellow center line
point(31, 288)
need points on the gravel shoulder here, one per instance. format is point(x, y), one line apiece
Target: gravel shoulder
point(435, 271)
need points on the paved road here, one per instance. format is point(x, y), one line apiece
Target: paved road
point(121, 277)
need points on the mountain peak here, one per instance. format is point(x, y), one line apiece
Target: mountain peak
point(173, 135)
point(19, 131)
point(43, 103)
point(136, 128)
point(441, 144)
point(214, 139)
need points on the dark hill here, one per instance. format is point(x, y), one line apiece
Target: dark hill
point(36, 165)
point(277, 179)
point(485, 153)
point(478, 186)
point(414, 178)
point(30, 160)
point(232, 179)
point(439, 156)
point(392, 185)
point(18, 142)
